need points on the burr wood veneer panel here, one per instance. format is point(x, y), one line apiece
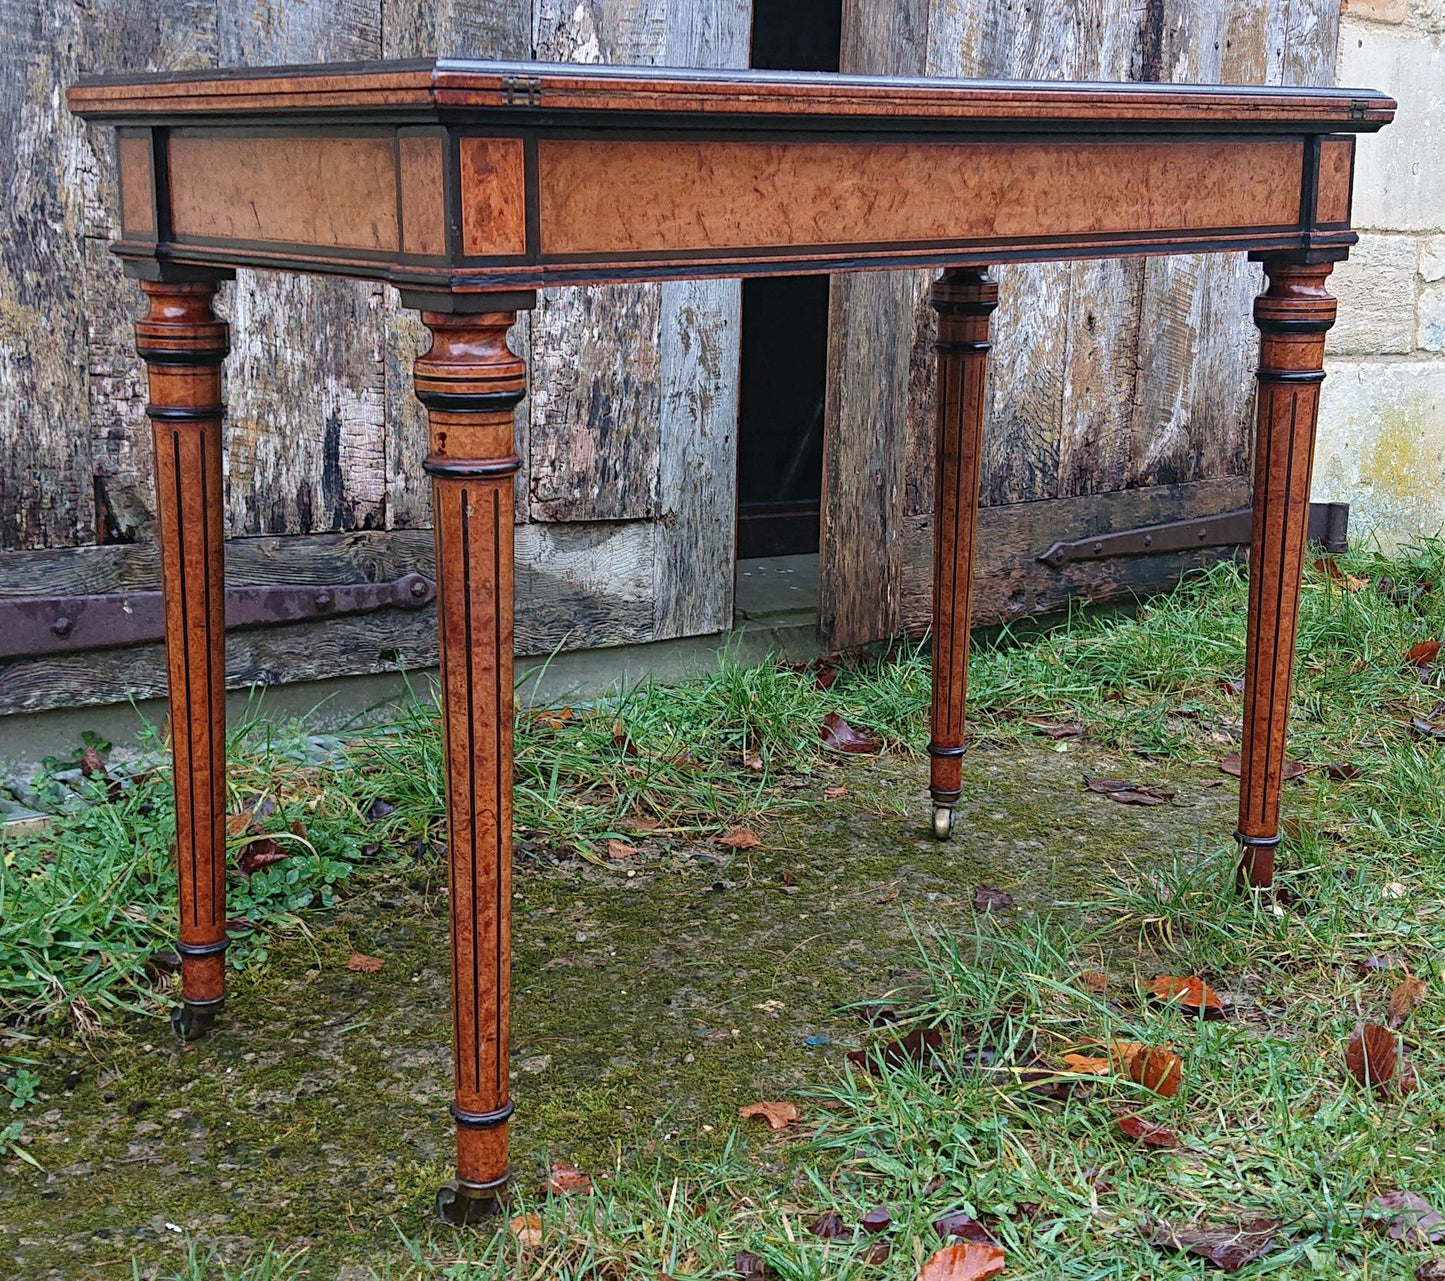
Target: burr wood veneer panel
point(308, 189)
point(137, 214)
point(494, 212)
point(622, 196)
point(1332, 196)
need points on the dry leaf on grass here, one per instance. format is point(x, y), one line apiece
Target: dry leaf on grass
point(1056, 729)
point(619, 850)
point(1157, 1069)
point(830, 1226)
point(1228, 1248)
point(964, 1226)
point(1192, 995)
point(1145, 1132)
point(1405, 1000)
point(359, 963)
point(259, 853)
point(986, 898)
point(1422, 655)
point(1348, 582)
point(877, 1219)
point(918, 1046)
point(526, 1229)
point(1084, 1063)
point(1127, 793)
point(839, 736)
point(748, 1266)
point(740, 838)
point(1372, 1056)
point(1234, 764)
point(564, 1180)
point(1094, 982)
point(1404, 1216)
point(835, 793)
point(778, 1115)
point(967, 1261)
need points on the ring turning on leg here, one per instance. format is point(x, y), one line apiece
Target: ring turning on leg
point(183, 344)
point(964, 299)
point(1292, 315)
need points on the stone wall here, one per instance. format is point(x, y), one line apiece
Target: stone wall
point(1382, 420)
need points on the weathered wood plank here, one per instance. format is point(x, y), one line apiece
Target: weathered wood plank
point(579, 586)
point(595, 382)
point(45, 444)
point(700, 349)
point(439, 28)
point(1010, 583)
point(307, 430)
point(871, 322)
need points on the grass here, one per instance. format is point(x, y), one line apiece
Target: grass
point(1268, 1122)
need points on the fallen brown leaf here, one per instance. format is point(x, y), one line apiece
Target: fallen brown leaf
point(830, 1226)
point(619, 850)
point(918, 1046)
point(1229, 1248)
point(1430, 1270)
point(1348, 582)
point(967, 1261)
point(778, 1115)
point(359, 963)
point(1372, 1056)
point(986, 898)
point(259, 853)
point(1404, 1216)
point(1421, 656)
point(1146, 1132)
point(877, 1219)
point(1094, 982)
point(1234, 764)
point(1056, 729)
point(835, 793)
point(526, 1229)
point(1084, 1063)
point(839, 736)
point(565, 1180)
point(965, 1227)
point(1342, 771)
point(1126, 793)
point(1405, 1000)
point(749, 1267)
point(1431, 726)
point(1192, 995)
point(740, 838)
point(1157, 1069)
point(1123, 1053)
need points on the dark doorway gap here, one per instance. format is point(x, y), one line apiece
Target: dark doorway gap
point(785, 335)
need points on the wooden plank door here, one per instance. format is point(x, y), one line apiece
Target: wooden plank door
point(1120, 392)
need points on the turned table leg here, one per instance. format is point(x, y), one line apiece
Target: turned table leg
point(964, 299)
point(470, 382)
point(183, 344)
point(1292, 315)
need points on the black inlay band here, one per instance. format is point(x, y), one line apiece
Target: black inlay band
point(185, 413)
point(1258, 842)
point(935, 750)
point(482, 402)
point(940, 797)
point(1290, 375)
point(1269, 325)
point(946, 347)
point(204, 949)
point(183, 358)
point(470, 469)
point(483, 1120)
point(210, 1004)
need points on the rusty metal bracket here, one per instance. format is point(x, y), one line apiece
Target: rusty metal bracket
point(35, 625)
point(1329, 524)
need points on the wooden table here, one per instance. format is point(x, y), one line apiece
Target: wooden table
point(469, 185)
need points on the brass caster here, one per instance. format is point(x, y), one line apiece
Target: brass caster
point(192, 1022)
point(942, 822)
point(462, 1208)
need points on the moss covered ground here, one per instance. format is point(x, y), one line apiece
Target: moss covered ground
point(656, 994)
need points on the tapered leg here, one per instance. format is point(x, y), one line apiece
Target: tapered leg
point(183, 344)
point(964, 299)
point(1293, 315)
point(470, 383)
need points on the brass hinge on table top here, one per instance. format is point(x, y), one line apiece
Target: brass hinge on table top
point(1329, 524)
point(1359, 108)
point(34, 625)
point(521, 91)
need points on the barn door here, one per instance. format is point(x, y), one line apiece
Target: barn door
point(1120, 392)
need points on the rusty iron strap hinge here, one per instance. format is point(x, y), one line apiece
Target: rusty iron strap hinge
point(35, 625)
point(1329, 523)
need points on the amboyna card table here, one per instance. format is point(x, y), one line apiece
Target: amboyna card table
point(469, 185)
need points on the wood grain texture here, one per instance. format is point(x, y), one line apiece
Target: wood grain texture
point(1293, 315)
point(868, 395)
point(494, 198)
point(183, 344)
point(470, 382)
point(1337, 171)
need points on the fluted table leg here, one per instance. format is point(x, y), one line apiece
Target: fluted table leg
point(470, 382)
point(183, 344)
point(1292, 315)
point(964, 299)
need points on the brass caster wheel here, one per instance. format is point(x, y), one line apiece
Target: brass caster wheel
point(462, 1208)
point(942, 822)
point(192, 1022)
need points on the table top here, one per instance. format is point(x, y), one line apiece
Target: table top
point(438, 88)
